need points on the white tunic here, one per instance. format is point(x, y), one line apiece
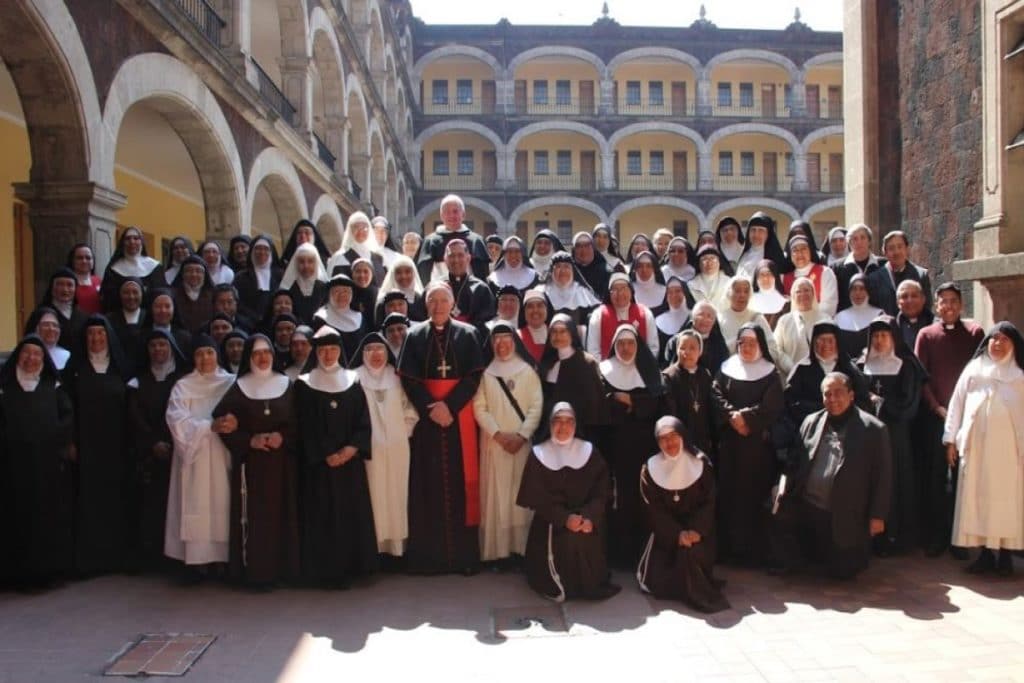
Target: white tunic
point(986, 422)
point(392, 418)
point(793, 337)
point(503, 524)
point(199, 496)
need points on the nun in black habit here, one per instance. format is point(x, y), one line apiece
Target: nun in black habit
point(128, 321)
point(728, 239)
point(260, 278)
point(60, 296)
point(677, 487)
point(748, 399)
point(95, 379)
point(338, 536)
point(545, 245)
point(762, 243)
point(160, 365)
point(565, 483)
point(894, 377)
point(570, 374)
point(670, 317)
point(688, 392)
point(634, 397)
point(512, 268)
point(162, 314)
point(703, 320)
point(36, 489)
point(340, 314)
point(305, 232)
point(129, 260)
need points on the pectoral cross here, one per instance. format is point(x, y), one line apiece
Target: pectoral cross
point(443, 368)
point(878, 387)
point(696, 406)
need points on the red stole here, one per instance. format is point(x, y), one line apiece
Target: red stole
point(610, 323)
point(814, 276)
point(439, 390)
point(535, 349)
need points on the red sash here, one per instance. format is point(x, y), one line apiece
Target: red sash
point(814, 276)
point(439, 390)
point(610, 323)
point(535, 349)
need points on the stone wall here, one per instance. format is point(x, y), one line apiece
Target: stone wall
point(940, 66)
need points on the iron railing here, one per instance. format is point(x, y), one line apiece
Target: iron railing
point(627, 106)
point(458, 182)
point(204, 17)
point(324, 152)
point(273, 95)
point(581, 183)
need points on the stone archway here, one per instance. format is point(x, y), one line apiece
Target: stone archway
point(274, 185)
point(327, 217)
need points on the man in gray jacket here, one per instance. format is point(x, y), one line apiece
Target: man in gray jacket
point(837, 494)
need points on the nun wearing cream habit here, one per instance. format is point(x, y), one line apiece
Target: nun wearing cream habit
point(392, 418)
point(793, 330)
point(264, 477)
point(985, 432)
point(677, 487)
point(507, 408)
point(565, 483)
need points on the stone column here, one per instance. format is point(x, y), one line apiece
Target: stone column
point(335, 139)
point(358, 163)
point(62, 214)
point(705, 181)
point(800, 183)
point(798, 84)
point(608, 103)
point(506, 161)
point(704, 94)
point(236, 35)
point(608, 170)
point(296, 84)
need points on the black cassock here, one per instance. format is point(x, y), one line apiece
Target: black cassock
point(668, 570)
point(35, 481)
point(338, 536)
point(264, 489)
point(104, 468)
point(560, 563)
point(147, 421)
point(444, 492)
point(689, 398)
point(474, 302)
point(627, 441)
point(747, 465)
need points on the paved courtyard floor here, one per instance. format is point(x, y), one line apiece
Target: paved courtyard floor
point(905, 619)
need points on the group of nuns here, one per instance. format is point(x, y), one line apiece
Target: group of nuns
point(673, 380)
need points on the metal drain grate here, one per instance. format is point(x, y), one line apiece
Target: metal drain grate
point(533, 621)
point(161, 654)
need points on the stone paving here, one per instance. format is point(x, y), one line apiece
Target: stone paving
point(905, 619)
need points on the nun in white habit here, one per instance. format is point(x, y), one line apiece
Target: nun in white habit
point(985, 433)
point(507, 407)
point(199, 498)
point(738, 313)
point(392, 418)
point(793, 330)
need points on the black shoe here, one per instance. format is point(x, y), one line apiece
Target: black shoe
point(1005, 565)
point(958, 553)
point(985, 563)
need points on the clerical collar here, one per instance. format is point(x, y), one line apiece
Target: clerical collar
point(951, 327)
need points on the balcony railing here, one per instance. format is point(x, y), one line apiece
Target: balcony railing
point(459, 182)
point(466, 108)
point(574, 182)
point(204, 17)
point(759, 108)
point(752, 183)
point(273, 95)
point(656, 183)
point(357, 190)
point(555, 106)
point(324, 153)
point(655, 107)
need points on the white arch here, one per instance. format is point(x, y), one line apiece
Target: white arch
point(641, 202)
point(55, 21)
point(272, 162)
point(753, 55)
point(320, 22)
point(555, 200)
point(652, 51)
point(659, 127)
point(824, 205)
point(184, 99)
point(296, 35)
point(818, 134)
point(823, 58)
point(326, 206)
point(376, 29)
point(761, 202)
point(457, 51)
point(457, 125)
point(762, 128)
point(558, 51)
point(354, 87)
point(549, 126)
point(435, 207)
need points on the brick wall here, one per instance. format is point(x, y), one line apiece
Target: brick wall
point(940, 65)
